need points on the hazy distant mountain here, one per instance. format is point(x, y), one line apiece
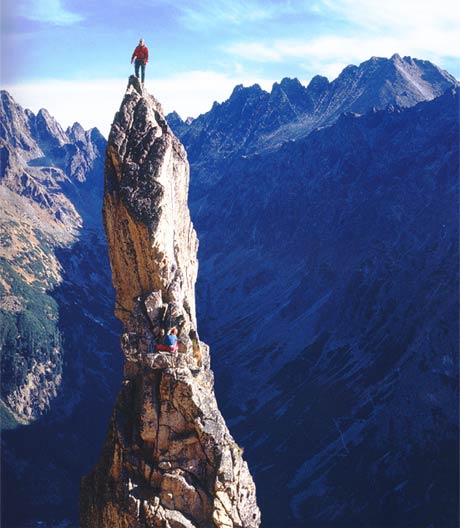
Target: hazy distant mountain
point(56, 310)
point(252, 120)
point(328, 290)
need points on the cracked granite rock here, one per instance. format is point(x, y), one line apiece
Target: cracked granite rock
point(168, 459)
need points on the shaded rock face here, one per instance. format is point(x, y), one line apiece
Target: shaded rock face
point(49, 189)
point(57, 328)
point(329, 286)
point(168, 459)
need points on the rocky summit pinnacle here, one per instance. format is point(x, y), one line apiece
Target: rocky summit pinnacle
point(168, 459)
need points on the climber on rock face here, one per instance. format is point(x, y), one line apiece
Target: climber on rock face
point(141, 56)
point(170, 343)
point(170, 338)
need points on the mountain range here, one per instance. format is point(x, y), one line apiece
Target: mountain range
point(57, 329)
point(328, 226)
point(328, 292)
point(252, 120)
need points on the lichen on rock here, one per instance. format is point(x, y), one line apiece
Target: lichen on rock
point(168, 459)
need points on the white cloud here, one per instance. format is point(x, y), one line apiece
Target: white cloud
point(425, 26)
point(397, 15)
point(256, 51)
point(206, 14)
point(363, 28)
point(203, 14)
point(93, 103)
point(47, 11)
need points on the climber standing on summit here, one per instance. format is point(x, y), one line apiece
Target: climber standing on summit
point(141, 54)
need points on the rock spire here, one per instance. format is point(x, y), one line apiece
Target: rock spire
point(168, 459)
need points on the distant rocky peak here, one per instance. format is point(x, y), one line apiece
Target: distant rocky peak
point(175, 116)
point(76, 132)
point(318, 80)
point(7, 102)
point(14, 124)
point(278, 91)
point(11, 111)
point(351, 69)
point(174, 120)
point(177, 123)
point(49, 130)
point(423, 77)
point(290, 86)
point(380, 82)
point(49, 166)
point(318, 84)
point(97, 139)
point(252, 120)
point(241, 91)
point(423, 69)
point(238, 88)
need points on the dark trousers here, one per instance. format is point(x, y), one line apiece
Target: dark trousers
point(139, 63)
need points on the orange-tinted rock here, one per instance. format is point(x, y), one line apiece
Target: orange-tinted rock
point(169, 459)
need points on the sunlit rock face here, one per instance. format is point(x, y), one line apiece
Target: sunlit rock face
point(168, 459)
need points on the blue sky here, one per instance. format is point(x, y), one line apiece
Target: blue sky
point(73, 56)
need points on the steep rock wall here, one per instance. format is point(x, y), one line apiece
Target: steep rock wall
point(49, 190)
point(169, 459)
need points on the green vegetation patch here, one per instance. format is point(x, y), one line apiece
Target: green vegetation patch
point(7, 419)
point(28, 336)
point(5, 239)
point(45, 243)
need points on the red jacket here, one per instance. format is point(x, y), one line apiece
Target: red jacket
point(141, 53)
point(165, 348)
